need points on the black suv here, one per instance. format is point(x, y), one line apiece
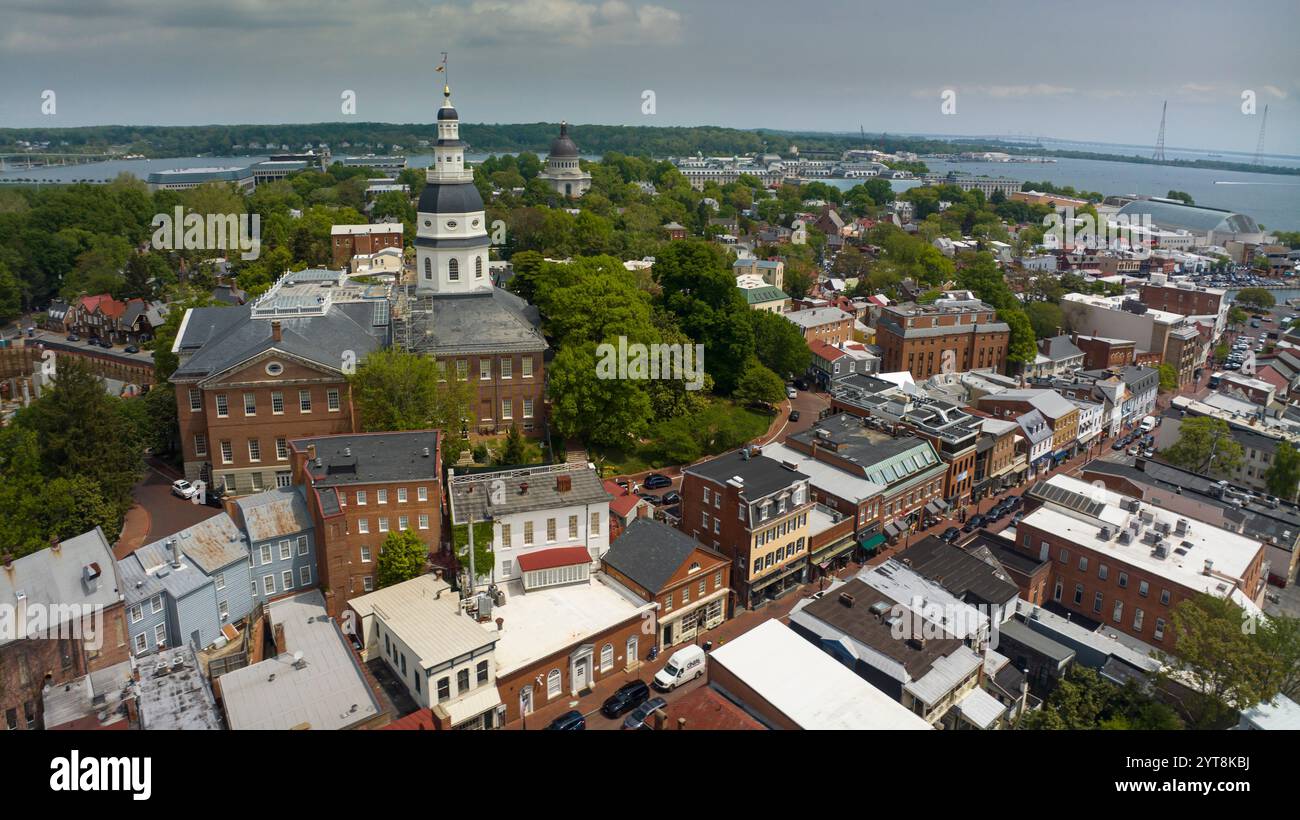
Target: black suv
point(657, 481)
point(628, 697)
point(569, 721)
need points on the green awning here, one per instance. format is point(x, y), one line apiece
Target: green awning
point(871, 542)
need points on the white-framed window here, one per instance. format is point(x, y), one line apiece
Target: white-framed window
point(507, 368)
point(401, 495)
point(403, 522)
point(553, 684)
point(250, 404)
point(304, 576)
point(507, 409)
point(254, 450)
point(1160, 629)
point(505, 537)
point(361, 498)
point(281, 448)
point(266, 554)
point(507, 568)
point(302, 545)
point(268, 584)
point(381, 496)
point(526, 367)
point(223, 609)
point(365, 555)
point(156, 604)
point(528, 408)
point(485, 369)
point(160, 634)
point(223, 406)
point(368, 583)
point(595, 524)
point(422, 494)
point(256, 480)
point(196, 400)
point(550, 530)
point(607, 657)
point(286, 551)
point(573, 527)
point(277, 403)
point(424, 522)
point(200, 444)
point(141, 643)
point(286, 579)
point(220, 580)
point(363, 525)
point(137, 614)
point(528, 533)
point(383, 524)
point(304, 401)
point(462, 368)
point(332, 402)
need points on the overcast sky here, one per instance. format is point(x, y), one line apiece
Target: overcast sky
point(1092, 71)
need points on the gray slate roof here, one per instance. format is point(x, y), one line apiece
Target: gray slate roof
point(472, 493)
point(368, 458)
point(51, 576)
point(487, 320)
point(649, 552)
point(762, 475)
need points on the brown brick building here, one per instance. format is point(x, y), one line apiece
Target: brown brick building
point(954, 334)
point(1101, 353)
point(68, 620)
point(349, 240)
point(359, 488)
point(829, 325)
point(690, 582)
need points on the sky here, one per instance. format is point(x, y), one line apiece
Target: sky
point(1092, 72)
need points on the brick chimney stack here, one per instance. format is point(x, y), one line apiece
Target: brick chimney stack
point(275, 330)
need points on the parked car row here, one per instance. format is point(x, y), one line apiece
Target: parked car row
point(633, 698)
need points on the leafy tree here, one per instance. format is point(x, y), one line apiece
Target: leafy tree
point(484, 557)
point(601, 411)
point(779, 343)
point(1280, 635)
point(398, 390)
point(1020, 347)
point(402, 557)
point(1255, 298)
point(1181, 195)
point(1221, 661)
point(1205, 445)
point(1283, 475)
point(1085, 700)
point(1046, 318)
point(1168, 378)
point(11, 294)
point(513, 450)
point(759, 384)
point(165, 361)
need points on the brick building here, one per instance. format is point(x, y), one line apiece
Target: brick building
point(360, 487)
point(68, 621)
point(1128, 564)
point(954, 334)
point(1100, 352)
point(826, 324)
point(754, 510)
point(1061, 414)
point(690, 582)
point(348, 241)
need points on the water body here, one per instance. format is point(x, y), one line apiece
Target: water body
point(1271, 199)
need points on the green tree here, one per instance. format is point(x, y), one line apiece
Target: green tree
point(1283, 475)
point(759, 384)
point(1205, 445)
point(602, 411)
point(402, 556)
point(779, 343)
point(484, 557)
point(1085, 700)
point(1181, 195)
point(398, 390)
point(1220, 660)
point(1020, 347)
point(1046, 318)
point(1255, 298)
point(513, 450)
point(1168, 378)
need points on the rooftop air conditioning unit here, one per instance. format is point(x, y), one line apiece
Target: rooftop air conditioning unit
point(1104, 534)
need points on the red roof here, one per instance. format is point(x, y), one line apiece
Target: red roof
point(552, 558)
point(706, 709)
point(1273, 377)
point(414, 721)
point(624, 500)
point(825, 351)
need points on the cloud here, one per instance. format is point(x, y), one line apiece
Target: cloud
point(1274, 92)
point(569, 23)
point(999, 91)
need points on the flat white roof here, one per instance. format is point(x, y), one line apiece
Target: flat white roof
point(1230, 553)
point(824, 476)
point(425, 614)
point(329, 692)
point(544, 621)
point(808, 686)
point(353, 230)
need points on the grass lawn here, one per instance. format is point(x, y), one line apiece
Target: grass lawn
point(721, 426)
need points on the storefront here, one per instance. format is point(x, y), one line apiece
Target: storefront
point(777, 584)
point(832, 558)
point(682, 626)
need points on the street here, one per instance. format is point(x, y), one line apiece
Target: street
point(157, 513)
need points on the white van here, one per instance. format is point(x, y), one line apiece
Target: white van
point(686, 664)
point(1148, 424)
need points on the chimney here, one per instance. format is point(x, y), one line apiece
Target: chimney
point(9, 561)
point(681, 723)
point(501, 624)
point(275, 330)
point(523, 488)
point(563, 483)
point(54, 543)
point(1209, 567)
point(311, 452)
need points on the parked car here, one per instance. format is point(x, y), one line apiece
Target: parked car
point(973, 523)
point(623, 482)
point(657, 481)
point(997, 513)
point(183, 489)
point(1149, 452)
point(1118, 445)
point(801, 384)
point(106, 344)
point(686, 664)
point(637, 719)
point(671, 497)
point(950, 534)
point(569, 722)
point(131, 349)
point(650, 498)
point(1015, 519)
point(1013, 502)
point(1133, 451)
point(791, 393)
point(72, 337)
point(628, 697)
point(93, 341)
point(794, 415)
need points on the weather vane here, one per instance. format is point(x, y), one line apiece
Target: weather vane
point(446, 75)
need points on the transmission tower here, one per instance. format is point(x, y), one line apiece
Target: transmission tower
point(1259, 146)
point(1160, 139)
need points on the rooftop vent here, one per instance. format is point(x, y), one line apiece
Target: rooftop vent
point(846, 599)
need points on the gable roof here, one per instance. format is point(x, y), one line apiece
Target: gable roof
point(650, 552)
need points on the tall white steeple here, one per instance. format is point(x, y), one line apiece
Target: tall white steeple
point(451, 241)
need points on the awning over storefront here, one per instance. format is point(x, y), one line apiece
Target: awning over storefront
point(776, 576)
point(826, 553)
point(936, 507)
point(892, 529)
point(871, 542)
point(473, 705)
